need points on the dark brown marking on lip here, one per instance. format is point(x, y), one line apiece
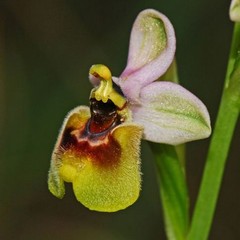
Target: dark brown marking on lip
point(68, 139)
point(106, 153)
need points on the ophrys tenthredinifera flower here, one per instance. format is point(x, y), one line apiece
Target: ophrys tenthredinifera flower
point(98, 147)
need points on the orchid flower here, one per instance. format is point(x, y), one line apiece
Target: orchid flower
point(98, 148)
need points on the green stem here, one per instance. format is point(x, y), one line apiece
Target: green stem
point(173, 191)
point(181, 153)
point(219, 147)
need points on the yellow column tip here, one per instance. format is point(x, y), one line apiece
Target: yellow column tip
point(100, 71)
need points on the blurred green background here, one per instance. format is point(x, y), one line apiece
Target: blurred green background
point(46, 49)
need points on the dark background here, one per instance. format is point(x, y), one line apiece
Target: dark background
point(46, 49)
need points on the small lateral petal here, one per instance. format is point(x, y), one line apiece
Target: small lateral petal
point(151, 51)
point(170, 114)
point(109, 188)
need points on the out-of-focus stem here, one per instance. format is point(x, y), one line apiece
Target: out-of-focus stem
point(219, 147)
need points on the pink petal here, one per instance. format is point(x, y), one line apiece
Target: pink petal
point(151, 51)
point(170, 114)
